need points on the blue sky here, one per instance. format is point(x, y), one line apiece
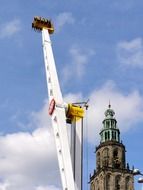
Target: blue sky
point(98, 48)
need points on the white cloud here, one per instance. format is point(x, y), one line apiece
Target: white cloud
point(131, 52)
point(62, 19)
point(10, 28)
point(47, 188)
point(79, 60)
point(27, 160)
point(40, 118)
point(128, 109)
point(4, 185)
point(71, 98)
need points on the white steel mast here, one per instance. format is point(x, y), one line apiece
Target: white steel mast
point(70, 164)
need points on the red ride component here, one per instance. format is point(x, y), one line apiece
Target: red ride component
point(52, 106)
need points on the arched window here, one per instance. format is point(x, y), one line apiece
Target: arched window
point(108, 135)
point(117, 182)
point(116, 159)
point(115, 136)
point(108, 182)
point(127, 183)
point(112, 135)
point(101, 182)
point(105, 136)
point(106, 152)
point(98, 160)
point(97, 184)
point(92, 187)
point(112, 123)
point(107, 124)
point(118, 136)
point(105, 156)
point(115, 153)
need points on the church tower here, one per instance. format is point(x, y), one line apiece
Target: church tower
point(112, 172)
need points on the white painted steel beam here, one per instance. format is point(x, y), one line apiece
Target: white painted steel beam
point(58, 115)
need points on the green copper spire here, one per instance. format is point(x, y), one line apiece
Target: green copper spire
point(110, 132)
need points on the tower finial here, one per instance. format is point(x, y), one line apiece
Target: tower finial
point(109, 104)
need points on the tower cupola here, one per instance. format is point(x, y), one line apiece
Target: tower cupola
point(110, 131)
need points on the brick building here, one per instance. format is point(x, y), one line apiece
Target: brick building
point(112, 172)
